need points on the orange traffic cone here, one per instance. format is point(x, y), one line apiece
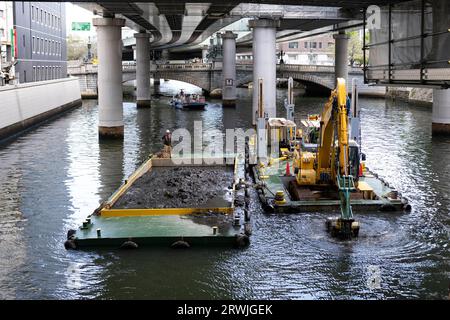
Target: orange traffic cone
point(288, 169)
point(360, 170)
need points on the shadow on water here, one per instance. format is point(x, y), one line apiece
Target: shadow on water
point(55, 175)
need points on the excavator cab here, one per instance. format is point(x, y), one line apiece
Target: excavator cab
point(354, 159)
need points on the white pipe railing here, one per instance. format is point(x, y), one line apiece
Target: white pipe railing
point(131, 66)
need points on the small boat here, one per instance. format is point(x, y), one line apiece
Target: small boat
point(188, 101)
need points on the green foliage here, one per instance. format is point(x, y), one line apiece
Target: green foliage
point(77, 48)
point(355, 52)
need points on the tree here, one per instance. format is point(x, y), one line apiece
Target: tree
point(77, 48)
point(355, 44)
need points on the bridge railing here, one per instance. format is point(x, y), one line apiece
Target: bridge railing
point(186, 66)
point(130, 66)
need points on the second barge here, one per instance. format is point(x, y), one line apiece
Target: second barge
point(171, 202)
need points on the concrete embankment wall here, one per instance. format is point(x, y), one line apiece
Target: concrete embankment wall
point(24, 105)
point(414, 95)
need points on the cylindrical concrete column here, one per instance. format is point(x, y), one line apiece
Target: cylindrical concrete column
point(229, 69)
point(264, 64)
point(205, 53)
point(109, 50)
point(441, 112)
point(142, 70)
point(341, 56)
point(165, 54)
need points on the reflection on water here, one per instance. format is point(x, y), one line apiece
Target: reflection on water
point(52, 177)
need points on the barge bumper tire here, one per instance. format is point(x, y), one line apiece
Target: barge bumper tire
point(242, 241)
point(70, 245)
point(180, 245)
point(129, 245)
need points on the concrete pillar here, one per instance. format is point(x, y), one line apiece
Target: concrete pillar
point(204, 53)
point(264, 64)
point(229, 69)
point(142, 70)
point(109, 50)
point(165, 55)
point(341, 56)
point(441, 112)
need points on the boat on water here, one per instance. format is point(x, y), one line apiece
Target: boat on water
point(188, 101)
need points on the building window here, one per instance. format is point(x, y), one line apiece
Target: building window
point(306, 44)
point(320, 45)
point(40, 16)
point(33, 45)
point(2, 32)
point(42, 45)
point(1, 13)
point(34, 74)
point(293, 45)
point(32, 13)
point(314, 45)
point(23, 39)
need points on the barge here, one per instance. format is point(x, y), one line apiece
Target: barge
point(177, 203)
point(319, 166)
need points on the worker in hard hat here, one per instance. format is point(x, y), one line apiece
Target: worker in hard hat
point(167, 140)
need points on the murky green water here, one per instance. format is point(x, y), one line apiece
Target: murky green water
point(52, 177)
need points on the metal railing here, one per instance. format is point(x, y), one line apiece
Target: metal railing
point(131, 66)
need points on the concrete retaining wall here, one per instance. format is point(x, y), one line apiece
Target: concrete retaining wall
point(24, 105)
point(414, 95)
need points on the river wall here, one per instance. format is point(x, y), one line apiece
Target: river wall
point(27, 104)
point(414, 95)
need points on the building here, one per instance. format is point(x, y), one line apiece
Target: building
point(318, 50)
point(6, 32)
point(39, 40)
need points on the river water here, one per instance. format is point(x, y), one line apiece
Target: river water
point(52, 177)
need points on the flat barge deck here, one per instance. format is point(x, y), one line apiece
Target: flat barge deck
point(373, 193)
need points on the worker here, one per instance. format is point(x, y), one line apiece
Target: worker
point(167, 140)
point(296, 157)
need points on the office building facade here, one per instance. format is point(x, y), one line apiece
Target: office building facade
point(39, 40)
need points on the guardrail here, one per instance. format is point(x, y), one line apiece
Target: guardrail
point(131, 66)
point(187, 66)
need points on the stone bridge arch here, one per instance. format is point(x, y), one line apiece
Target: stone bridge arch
point(199, 79)
point(322, 83)
point(128, 76)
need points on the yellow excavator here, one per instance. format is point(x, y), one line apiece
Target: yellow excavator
point(335, 161)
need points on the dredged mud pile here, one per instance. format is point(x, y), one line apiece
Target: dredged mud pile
point(178, 187)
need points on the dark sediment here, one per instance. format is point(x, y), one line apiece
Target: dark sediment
point(179, 187)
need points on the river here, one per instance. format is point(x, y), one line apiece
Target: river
point(52, 177)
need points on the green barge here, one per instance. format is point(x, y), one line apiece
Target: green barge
point(372, 195)
point(216, 218)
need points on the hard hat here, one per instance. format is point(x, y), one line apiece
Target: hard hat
point(167, 131)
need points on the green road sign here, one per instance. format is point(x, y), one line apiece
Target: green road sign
point(81, 26)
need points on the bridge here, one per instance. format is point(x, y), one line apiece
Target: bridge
point(208, 76)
